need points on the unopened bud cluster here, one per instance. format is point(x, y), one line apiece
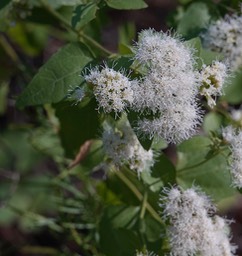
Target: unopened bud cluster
point(212, 80)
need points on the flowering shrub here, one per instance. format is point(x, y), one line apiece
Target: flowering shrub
point(107, 119)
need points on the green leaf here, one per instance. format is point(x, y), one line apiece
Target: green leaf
point(233, 90)
point(77, 125)
point(126, 4)
point(154, 184)
point(59, 3)
point(133, 117)
point(208, 56)
point(212, 122)
point(195, 43)
point(194, 167)
point(153, 229)
point(115, 236)
point(62, 71)
point(83, 14)
point(122, 216)
point(126, 35)
point(164, 170)
point(194, 20)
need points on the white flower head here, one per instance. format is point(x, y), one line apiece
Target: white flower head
point(169, 88)
point(164, 51)
point(112, 89)
point(213, 78)
point(225, 36)
point(235, 139)
point(194, 229)
point(123, 147)
point(157, 92)
point(175, 124)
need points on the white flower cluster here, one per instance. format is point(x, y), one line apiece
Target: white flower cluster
point(169, 89)
point(194, 229)
point(212, 80)
point(112, 89)
point(225, 36)
point(123, 147)
point(235, 140)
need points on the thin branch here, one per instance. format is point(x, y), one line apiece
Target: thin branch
point(140, 197)
point(79, 33)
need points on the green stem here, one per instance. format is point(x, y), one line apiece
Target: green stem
point(79, 33)
point(145, 199)
point(94, 43)
point(11, 53)
point(140, 197)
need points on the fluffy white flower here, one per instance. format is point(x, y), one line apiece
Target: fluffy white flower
point(212, 80)
point(112, 89)
point(169, 88)
point(194, 229)
point(235, 140)
point(163, 51)
point(157, 92)
point(123, 147)
point(175, 124)
point(225, 36)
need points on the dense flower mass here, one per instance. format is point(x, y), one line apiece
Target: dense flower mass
point(225, 36)
point(212, 81)
point(168, 89)
point(194, 227)
point(174, 124)
point(166, 96)
point(113, 90)
point(235, 140)
point(123, 147)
